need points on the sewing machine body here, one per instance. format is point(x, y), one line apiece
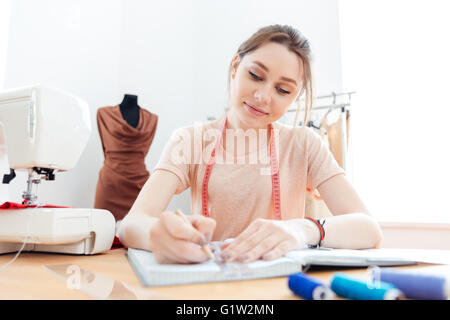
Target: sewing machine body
point(66, 230)
point(44, 131)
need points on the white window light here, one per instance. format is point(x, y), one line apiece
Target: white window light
point(395, 55)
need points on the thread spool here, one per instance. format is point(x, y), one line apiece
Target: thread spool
point(309, 288)
point(415, 285)
point(352, 288)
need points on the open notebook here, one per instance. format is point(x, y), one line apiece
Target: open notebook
point(151, 273)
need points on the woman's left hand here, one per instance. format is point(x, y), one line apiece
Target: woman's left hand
point(267, 239)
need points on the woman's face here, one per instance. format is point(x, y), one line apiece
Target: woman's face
point(264, 84)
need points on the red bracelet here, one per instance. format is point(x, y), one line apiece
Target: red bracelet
point(319, 224)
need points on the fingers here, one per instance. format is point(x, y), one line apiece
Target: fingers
point(176, 240)
point(251, 229)
point(205, 225)
point(180, 229)
point(256, 235)
point(279, 250)
point(181, 251)
point(262, 239)
point(225, 245)
point(240, 251)
point(257, 251)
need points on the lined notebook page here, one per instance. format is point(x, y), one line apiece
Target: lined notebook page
point(151, 273)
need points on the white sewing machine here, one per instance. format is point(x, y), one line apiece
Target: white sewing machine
point(45, 131)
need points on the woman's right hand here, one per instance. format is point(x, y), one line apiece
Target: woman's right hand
point(173, 240)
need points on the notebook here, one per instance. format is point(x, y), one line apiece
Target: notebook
point(151, 273)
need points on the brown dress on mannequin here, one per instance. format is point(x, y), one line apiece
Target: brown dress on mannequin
point(124, 172)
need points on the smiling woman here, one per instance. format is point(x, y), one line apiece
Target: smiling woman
point(287, 70)
point(261, 205)
point(274, 81)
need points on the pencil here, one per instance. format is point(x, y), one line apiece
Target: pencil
point(205, 246)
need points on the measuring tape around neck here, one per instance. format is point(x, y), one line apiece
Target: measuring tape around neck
point(274, 170)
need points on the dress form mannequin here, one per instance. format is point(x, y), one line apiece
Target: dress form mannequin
point(130, 109)
point(126, 132)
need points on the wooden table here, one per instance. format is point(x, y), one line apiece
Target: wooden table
point(27, 278)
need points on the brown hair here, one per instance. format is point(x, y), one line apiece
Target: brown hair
point(294, 41)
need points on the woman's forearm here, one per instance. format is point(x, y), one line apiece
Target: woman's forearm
point(346, 231)
point(134, 230)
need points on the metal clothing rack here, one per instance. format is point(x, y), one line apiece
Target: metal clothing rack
point(334, 105)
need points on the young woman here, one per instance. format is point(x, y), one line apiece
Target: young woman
point(254, 193)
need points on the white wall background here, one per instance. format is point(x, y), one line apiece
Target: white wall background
point(5, 8)
point(173, 54)
point(396, 56)
point(73, 45)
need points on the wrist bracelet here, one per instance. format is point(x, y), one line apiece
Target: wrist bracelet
point(319, 223)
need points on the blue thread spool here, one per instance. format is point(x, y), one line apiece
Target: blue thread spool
point(352, 288)
point(309, 288)
point(415, 285)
